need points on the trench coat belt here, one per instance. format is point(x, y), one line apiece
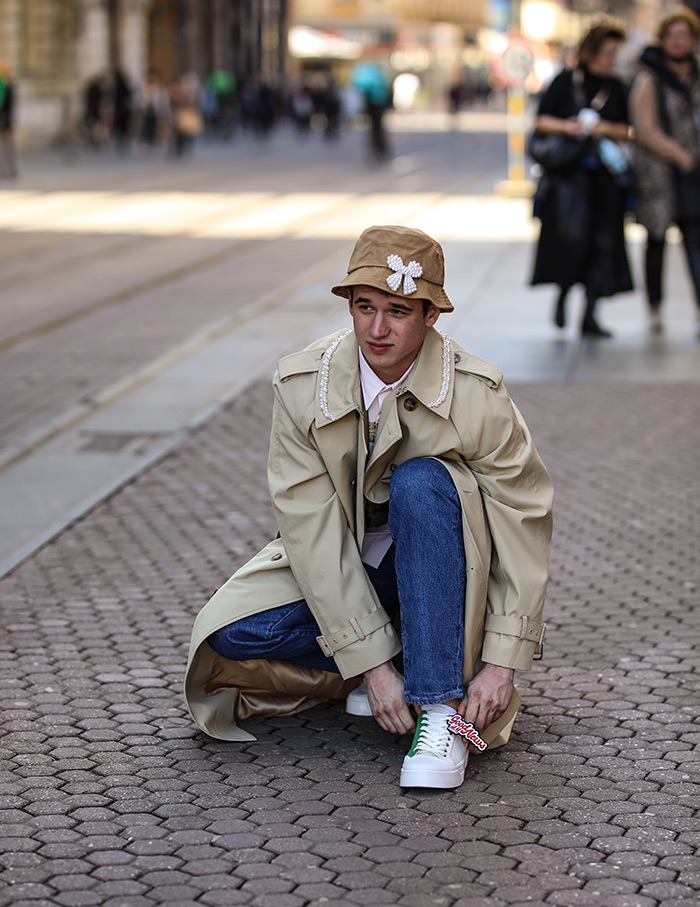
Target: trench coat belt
point(357, 628)
point(517, 626)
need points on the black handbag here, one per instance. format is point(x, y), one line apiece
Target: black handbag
point(556, 151)
point(688, 194)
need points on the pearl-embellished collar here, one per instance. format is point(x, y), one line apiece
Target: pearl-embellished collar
point(326, 365)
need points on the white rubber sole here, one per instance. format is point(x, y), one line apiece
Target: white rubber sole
point(439, 775)
point(357, 702)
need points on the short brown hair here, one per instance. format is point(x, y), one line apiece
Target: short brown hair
point(681, 14)
point(595, 37)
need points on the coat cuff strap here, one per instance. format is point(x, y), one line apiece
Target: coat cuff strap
point(520, 627)
point(357, 629)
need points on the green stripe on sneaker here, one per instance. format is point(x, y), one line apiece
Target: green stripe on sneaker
point(422, 718)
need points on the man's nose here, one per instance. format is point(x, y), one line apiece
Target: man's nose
point(379, 326)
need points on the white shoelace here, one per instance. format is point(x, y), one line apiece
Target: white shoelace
point(433, 735)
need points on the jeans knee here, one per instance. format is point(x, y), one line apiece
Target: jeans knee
point(414, 480)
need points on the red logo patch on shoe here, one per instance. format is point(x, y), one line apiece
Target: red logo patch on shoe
point(466, 729)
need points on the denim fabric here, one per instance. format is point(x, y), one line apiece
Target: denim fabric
point(425, 521)
point(425, 570)
point(288, 633)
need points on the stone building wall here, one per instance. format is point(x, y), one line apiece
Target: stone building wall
point(53, 48)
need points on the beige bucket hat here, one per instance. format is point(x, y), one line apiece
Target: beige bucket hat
point(400, 261)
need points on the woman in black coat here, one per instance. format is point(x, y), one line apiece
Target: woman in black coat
point(582, 208)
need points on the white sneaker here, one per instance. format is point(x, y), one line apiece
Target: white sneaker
point(437, 758)
point(357, 702)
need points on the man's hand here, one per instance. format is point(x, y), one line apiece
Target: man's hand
point(386, 699)
point(488, 696)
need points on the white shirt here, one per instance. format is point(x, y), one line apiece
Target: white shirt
point(374, 391)
point(377, 541)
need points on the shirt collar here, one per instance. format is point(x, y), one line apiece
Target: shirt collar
point(372, 384)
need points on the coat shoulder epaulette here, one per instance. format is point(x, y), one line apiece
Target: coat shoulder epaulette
point(300, 363)
point(307, 360)
point(469, 364)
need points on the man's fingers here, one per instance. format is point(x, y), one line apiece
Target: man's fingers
point(397, 720)
point(472, 711)
point(481, 714)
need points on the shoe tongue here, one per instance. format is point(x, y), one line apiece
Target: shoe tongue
point(444, 709)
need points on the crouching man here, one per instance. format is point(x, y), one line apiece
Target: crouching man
point(414, 519)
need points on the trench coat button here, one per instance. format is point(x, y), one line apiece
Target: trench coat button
point(276, 557)
point(458, 357)
point(392, 467)
point(410, 404)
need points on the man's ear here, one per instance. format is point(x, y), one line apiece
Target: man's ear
point(432, 316)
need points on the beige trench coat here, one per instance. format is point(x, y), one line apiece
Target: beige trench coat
point(453, 407)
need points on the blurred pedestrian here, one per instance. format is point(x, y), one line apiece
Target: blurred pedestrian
point(665, 108)
point(302, 109)
point(94, 114)
point(218, 103)
point(267, 109)
point(332, 108)
point(121, 110)
point(376, 106)
point(454, 96)
point(375, 87)
point(581, 203)
point(186, 117)
point(155, 112)
point(8, 161)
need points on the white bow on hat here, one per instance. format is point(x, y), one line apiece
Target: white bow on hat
point(403, 272)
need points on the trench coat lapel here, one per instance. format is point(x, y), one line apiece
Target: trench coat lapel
point(339, 422)
point(338, 388)
point(435, 362)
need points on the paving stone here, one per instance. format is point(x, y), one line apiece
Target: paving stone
point(224, 898)
point(128, 900)
point(320, 892)
point(269, 886)
point(371, 896)
point(401, 870)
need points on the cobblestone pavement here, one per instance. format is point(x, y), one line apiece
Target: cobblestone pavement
point(111, 797)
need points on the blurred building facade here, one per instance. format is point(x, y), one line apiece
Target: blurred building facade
point(53, 48)
point(425, 38)
point(444, 43)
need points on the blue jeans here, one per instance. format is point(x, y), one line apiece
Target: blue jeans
point(420, 582)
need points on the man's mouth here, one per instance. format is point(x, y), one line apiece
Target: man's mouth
point(379, 347)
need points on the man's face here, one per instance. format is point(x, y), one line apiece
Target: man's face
point(389, 329)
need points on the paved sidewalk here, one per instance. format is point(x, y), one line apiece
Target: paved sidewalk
point(110, 797)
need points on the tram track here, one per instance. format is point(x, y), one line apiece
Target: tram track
point(125, 295)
